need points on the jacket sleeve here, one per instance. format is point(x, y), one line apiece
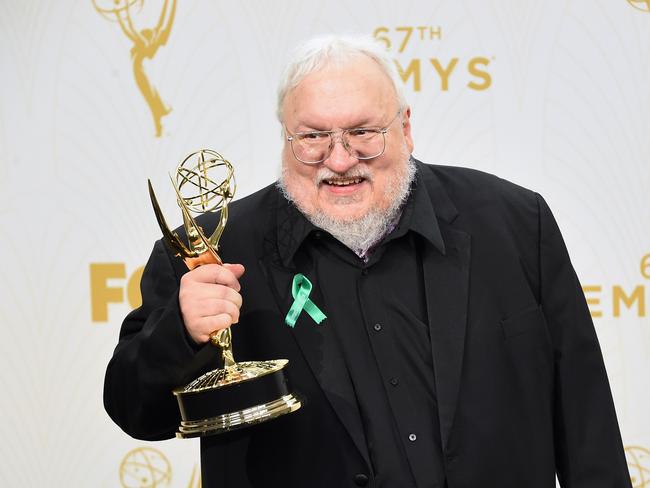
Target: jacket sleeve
point(154, 355)
point(588, 447)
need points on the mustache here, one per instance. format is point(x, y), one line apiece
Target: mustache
point(355, 172)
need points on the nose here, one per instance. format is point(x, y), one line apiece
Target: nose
point(340, 160)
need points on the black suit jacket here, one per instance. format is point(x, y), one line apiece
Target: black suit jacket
point(520, 380)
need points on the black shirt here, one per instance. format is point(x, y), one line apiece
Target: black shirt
point(377, 307)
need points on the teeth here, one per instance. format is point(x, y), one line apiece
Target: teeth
point(344, 182)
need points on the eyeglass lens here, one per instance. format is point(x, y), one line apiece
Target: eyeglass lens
point(314, 147)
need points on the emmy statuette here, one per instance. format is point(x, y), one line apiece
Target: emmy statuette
point(239, 394)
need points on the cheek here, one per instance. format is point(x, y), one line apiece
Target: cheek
point(384, 177)
point(382, 189)
point(387, 180)
point(290, 169)
point(287, 155)
point(302, 175)
point(299, 183)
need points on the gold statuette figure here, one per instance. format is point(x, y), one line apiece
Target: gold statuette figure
point(239, 394)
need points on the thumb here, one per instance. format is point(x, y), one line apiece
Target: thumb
point(236, 269)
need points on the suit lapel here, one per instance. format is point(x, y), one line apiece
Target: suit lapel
point(321, 350)
point(446, 281)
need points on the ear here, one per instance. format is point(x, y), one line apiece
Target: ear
point(406, 128)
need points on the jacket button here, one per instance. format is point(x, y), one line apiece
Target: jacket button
point(360, 479)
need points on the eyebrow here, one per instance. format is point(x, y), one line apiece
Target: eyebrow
point(314, 128)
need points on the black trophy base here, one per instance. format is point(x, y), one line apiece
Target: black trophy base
point(234, 397)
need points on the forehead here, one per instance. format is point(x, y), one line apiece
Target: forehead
point(342, 94)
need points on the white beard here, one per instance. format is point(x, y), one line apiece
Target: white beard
point(361, 233)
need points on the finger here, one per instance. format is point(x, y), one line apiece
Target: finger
point(213, 273)
point(202, 291)
point(208, 325)
point(225, 293)
point(217, 306)
point(236, 269)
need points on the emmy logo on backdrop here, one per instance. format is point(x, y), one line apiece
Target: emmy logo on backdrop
point(643, 5)
point(145, 467)
point(638, 462)
point(146, 43)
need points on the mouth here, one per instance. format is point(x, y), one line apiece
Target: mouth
point(343, 182)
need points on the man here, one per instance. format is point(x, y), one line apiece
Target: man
point(457, 351)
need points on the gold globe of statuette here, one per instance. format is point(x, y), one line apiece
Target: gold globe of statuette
point(145, 467)
point(239, 394)
point(205, 181)
point(638, 462)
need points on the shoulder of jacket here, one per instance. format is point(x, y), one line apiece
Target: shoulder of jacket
point(469, 187)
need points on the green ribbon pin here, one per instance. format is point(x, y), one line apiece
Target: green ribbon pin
point(300, 290)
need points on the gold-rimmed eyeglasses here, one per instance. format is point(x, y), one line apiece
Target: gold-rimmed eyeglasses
point(314, 147)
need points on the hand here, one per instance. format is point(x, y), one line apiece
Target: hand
point(209, 299)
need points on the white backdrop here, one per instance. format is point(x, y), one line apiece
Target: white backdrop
point(552, 95)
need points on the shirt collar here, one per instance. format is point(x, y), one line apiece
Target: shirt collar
point(418, 216)
point(292, 229)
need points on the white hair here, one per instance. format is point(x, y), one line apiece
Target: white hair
point(320, 52)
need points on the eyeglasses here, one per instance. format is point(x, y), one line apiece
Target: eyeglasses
point(360, 142)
